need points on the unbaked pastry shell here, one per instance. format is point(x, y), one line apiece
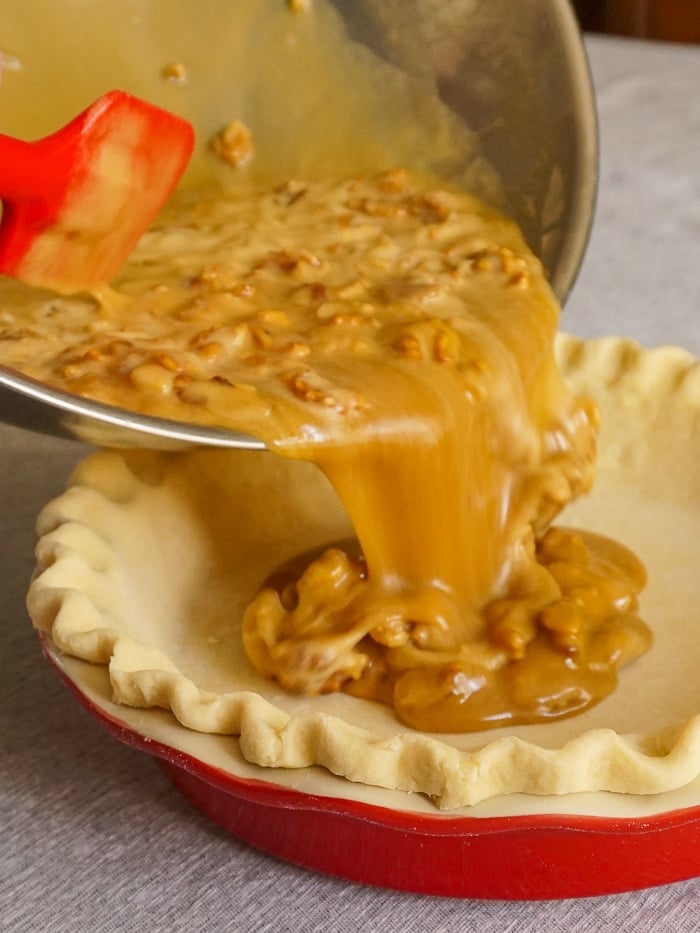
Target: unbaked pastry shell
point(146, 562)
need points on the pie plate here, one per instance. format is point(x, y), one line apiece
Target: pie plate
point(629, 816)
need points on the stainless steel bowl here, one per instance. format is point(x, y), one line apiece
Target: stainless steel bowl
point(515, 74)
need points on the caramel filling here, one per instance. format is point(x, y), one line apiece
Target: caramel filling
point(399, 335)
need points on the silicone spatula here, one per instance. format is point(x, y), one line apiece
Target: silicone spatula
point(74, 203)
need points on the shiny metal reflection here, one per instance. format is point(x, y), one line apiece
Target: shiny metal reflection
point(26, 403)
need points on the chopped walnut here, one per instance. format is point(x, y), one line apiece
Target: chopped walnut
point(429, 339)
point(174, 72)
point(308, 386)
point(233, 144)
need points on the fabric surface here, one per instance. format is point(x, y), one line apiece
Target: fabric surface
point(94, 838)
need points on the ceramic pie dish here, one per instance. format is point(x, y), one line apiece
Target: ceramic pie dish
point(146, 560)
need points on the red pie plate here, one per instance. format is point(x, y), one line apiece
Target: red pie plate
point(534, 856)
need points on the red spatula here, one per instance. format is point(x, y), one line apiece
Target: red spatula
point(74, 203)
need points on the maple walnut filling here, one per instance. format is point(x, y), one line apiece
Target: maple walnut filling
point(399, 335)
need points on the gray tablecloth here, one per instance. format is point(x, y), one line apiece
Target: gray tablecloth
point(94, 838)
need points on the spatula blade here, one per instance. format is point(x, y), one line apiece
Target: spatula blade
point(84, 195)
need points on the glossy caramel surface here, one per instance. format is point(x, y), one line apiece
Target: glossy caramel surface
point(399, 335)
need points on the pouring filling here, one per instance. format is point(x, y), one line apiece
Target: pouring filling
point(399, 335)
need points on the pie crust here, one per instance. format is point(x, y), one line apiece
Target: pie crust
point(147, 560)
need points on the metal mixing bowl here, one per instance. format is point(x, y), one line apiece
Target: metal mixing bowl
point(515, 74)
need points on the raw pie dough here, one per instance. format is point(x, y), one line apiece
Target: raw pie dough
point(147, 558)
